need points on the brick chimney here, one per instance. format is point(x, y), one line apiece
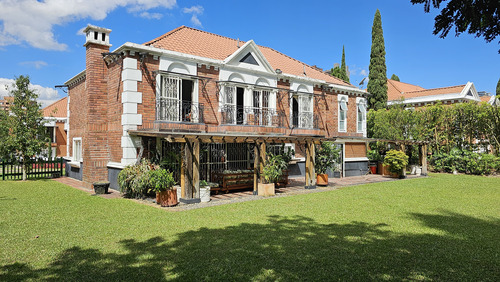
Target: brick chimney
point(94, 139)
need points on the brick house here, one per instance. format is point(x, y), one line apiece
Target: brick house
point(217, 101)
point(416, 96)
point(55, 116)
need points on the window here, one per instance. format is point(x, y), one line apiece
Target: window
point(361, 116)
point(249, 59)
point(175, 100)
point(302, 110)
point(261, 107)
point(51, 133)
point(342, 113)
point(77, 149)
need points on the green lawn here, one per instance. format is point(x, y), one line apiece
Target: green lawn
point(444, 227)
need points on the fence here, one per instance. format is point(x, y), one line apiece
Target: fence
point(38, 168)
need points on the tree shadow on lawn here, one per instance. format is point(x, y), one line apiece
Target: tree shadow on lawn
point(292, 248)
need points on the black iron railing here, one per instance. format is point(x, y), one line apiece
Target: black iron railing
point(305, 120)
point(232, 114)
point(177, 110)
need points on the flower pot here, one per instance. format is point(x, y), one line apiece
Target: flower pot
point(205, 194)
point(158, 198)
point(265, 189)
point(322, 179)
point(383, 169)
point(373, 168)
point(168, 198)
point(101, 187)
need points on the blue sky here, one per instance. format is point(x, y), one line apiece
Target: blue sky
point(42, 39)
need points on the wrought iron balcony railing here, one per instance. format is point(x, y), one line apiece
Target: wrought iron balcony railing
point(232, 114)
point(305, 121)
point(178, 111)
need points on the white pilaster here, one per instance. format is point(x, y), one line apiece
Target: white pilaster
point(130, 118)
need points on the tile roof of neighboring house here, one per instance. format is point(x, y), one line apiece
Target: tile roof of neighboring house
point(485, 98)
point(57, 109)
point(396, 90)
point(204, 44)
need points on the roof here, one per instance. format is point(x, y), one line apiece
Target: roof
point(209, 45)
point(57, 109)
point(397, 90)
point(485, 98)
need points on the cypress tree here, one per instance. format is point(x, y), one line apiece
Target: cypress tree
point(377, 83)
point(343, 68)
point(395, 77)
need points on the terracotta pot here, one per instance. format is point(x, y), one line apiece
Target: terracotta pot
point(265, 189)
point(322, 179)
point(158, 198)
point(168, 198)
point(373, 169)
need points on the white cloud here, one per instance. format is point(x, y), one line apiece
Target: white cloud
point(364, 72)
point(36, 64)
point(46, 95)
point(151, 16)
point(195, 11)
point(31, 21)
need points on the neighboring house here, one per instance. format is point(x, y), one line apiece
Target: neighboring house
point(416, 96)
point(6, 102)
point(492, 100)
point(55, 116)
point(221, 99)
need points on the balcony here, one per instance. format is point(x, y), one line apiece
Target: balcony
point(305, 121)
point(232, 114)
point(179, 111)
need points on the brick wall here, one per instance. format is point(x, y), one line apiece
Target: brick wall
point(78, 113)
point(115, 109)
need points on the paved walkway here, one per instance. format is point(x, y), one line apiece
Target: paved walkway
point(295, 187)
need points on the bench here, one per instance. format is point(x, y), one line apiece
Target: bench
point(233, 180)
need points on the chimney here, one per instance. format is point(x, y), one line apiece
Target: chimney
point(95, 106)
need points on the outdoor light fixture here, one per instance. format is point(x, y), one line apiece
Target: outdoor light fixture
point(278, 71)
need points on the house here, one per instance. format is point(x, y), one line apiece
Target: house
point(55, 116)
point(492, 100)
point(212, 102)
point(6, 102)
point(416, 96)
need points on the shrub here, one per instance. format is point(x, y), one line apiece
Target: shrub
point(160, 180)
point(396, 160)
point(274, 168)
point(134, 179)
point(326, 157)
point(465, 162)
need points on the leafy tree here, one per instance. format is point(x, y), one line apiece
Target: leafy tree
point(336, 72)
point(481, 18)
point(27, 135)
point(4, 132)
point(395, 77)
point(498, 88)
point(377, 83)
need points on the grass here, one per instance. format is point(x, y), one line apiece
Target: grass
point(444, 227)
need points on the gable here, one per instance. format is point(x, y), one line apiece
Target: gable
point(249, 56)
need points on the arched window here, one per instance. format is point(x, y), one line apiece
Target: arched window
point(361, 116)
point(342, 113)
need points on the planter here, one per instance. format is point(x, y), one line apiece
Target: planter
point(157, 198)
point(205, 194)
point(168, 198)
point(373, 168)
point(383, 169)
point(265, 189)
point(101, 187)
point(322, 179)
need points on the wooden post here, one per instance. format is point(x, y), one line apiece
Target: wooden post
point(196, 169)
point(424, 160)
point(310, 161)
point(256, 167)
point(262, 161)
point(183, 171)
point(188, 178)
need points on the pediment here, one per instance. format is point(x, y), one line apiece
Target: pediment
point(249, 56)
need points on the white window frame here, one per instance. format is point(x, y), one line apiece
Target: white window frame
point(342, 99)
point(178, 96)
point(270, 107)
point(361, 107)
point(301, 99)
point(77, 149)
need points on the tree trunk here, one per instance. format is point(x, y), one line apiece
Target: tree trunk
point(24, 169)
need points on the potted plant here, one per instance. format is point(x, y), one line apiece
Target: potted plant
point(397, 161)
point(326, 157)
point(374, 157)
point(101, 187)
point(134, 179)
point(272, 173)
point(204, 191)
point(162, 181)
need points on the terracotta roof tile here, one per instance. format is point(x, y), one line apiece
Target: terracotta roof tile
point(434, 91)
point(485, 98)
point(57, 109)
point(209, 45)
point(396, 88)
